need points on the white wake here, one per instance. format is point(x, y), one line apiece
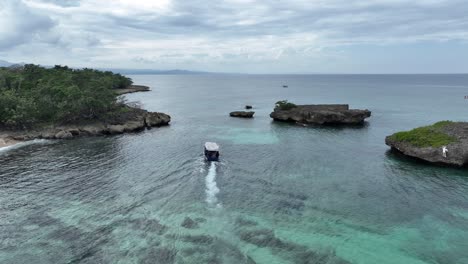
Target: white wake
point(211, 189)
point(22, 144)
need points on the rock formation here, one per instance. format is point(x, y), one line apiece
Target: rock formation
point(132, 121)
point(428, 143)
point(243, 114)
point(132, 89)
point(321, 114)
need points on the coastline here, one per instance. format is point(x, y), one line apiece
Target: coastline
point(133, 89)
point(130, 120)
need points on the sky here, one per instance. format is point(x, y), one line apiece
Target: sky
point(240, 36)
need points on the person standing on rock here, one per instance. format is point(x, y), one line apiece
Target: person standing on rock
point(444, 151)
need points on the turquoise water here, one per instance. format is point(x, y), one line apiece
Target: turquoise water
point(281, 193)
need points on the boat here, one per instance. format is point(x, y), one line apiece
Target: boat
point(211, 151)
point(285, 86)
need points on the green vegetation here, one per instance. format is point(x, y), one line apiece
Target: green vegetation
point(285, 105)
point(427, 136)
point(32, 94)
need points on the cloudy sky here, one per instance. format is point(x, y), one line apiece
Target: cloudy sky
point(254, 36)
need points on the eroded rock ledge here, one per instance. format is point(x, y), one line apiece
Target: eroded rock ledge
point(131, 121)
point(321, 114)
point(133, 89)
point(427, 143)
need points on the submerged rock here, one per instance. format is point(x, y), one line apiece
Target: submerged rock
point(243, 114)
point(428, 143)
point(245, 222)
point(160, 255)
point(189, 223)
point(198, 239)
point(321, 114)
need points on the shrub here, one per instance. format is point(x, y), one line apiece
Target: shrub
point(427, 136)
point(36, 94)
point(285, 105)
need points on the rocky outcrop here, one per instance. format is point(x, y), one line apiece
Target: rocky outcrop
point(157, 119)
point(132, 89)
point(189, 223)
point(132, 121)
point(63, 134)
point(242, 114)
point(431, 146)
point(321, 114)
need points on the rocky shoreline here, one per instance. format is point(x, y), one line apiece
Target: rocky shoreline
point(333, 114)
point(135, 120)
point(133, 89)
point(131, 119)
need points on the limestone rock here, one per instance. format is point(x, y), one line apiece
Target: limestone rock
point(321, 115)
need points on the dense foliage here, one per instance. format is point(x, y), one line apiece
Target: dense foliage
point(285, 105)
point(427, 136)
point(32, 94)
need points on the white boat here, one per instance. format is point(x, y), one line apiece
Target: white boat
point(211, 151)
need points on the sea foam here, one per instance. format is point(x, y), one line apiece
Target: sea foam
point(211, 188)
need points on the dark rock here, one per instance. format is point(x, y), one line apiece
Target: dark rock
point(291, 204)
point(74, 131)
point(150, 225)
point(193, 251)
point(189, 223)
point(264, 238)
point(250, 260)
point(248, 107)
point(321, 115)
point(245, 222)
point(243, 114)
point(457, 151)
point(160, 255)
point(198, 239)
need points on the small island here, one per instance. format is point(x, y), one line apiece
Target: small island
point(62, 103)
point(324, 114)
point(443, 143)
point(242, 114)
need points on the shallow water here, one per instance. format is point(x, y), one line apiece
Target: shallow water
point(281, 193)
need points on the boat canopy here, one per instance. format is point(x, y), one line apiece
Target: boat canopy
point(211, 146)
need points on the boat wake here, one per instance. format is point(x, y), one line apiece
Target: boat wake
point(211, 188)
point(22, 144)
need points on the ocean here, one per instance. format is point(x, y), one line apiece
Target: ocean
point(280, 194)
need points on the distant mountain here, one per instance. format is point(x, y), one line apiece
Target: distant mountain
point(5, 63)
point(156, 72)
point(9, 64)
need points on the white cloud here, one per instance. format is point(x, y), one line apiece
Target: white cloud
point(167, 33)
